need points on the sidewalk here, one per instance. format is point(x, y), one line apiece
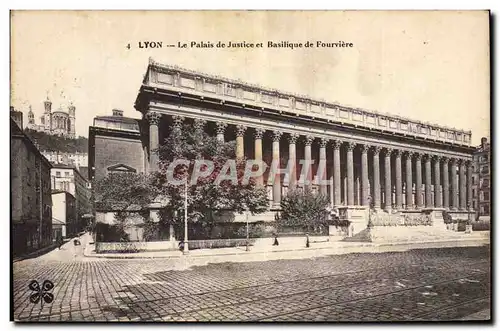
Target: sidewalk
point(320, 248)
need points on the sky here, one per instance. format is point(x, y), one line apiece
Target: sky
point(428, 66)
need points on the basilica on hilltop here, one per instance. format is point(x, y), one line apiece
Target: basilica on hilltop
point(57, 123)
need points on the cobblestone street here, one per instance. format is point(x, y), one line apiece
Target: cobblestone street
point(425, 284)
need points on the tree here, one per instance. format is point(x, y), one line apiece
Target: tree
point(206, 195)
point(124, 193)
point(305, 209)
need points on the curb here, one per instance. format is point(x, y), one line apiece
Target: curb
point(477, 241)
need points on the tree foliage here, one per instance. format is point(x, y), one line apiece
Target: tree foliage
point(55, 143)
point(304, 208)
point(206, 195)
point(123, 192)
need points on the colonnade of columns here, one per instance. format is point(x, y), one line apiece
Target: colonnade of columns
point(424, 185)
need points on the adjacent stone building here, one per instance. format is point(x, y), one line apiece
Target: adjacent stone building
point(69, 179)
point(76, 159)
point(31, 199)
point(481, 181)
point(64, 214)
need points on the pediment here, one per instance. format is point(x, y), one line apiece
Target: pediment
point(121, 168)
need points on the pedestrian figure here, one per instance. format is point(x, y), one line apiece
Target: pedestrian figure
point(276, 243)
point(60, 242)
point(307, 240)
point(181, 245)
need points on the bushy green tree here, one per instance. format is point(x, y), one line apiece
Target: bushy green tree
point(305, 209)
point(124, 193)
point(206, 196)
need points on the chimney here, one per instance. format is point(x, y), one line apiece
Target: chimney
point(17, 116)
point(484, 141)
point(117, 112)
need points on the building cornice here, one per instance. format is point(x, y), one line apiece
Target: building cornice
point(234, 89)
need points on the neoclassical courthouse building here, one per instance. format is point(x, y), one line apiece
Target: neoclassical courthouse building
point(397, 165)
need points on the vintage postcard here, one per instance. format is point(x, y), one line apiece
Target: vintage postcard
point(250, 166)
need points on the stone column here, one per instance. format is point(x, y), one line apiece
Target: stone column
point(240, 143)
point(469, 185)
point(199, 125)
point(463, 187)
point(221, 128)
point(350, 174)
point(428, 182)
point(153, 119)
point(454, 185)
point(364, 175)
point(277, 178)
point(388, 184)
point(259, 133)
point(307, 155)
point(399, 180)
point(322, 166)
point(437, 182)
point(336, 172)
point(446, 183)
point(376, 177)
point(418, 181)
point(409, 181)
point(292, 158)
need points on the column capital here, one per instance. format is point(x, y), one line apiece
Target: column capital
point(388, 151)
point(336, 144)
point(409, 154)
point(453, 160)
point(277, 135)
point(240, 130)
point(153, 117)
point(468, 163)
point(445, 159)
point(308, 139)
point(437, 158)
point(376, 149)
point(177, 121)
point(350, 146)
point(427, 157)
point(364, 148)
point(397, 152)
point(292, 138)
point(221, 127)
point(199, 124)
point(323, 142)
point(259, 133)
point(461, 161)
point(418, 156)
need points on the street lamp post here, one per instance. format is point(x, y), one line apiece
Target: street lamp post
point(247, 247)
point(186, 247)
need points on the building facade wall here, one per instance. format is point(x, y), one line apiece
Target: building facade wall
point(31, 195)
point(110, 151)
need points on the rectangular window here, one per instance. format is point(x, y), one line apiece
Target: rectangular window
point(486, 196)
point(58, 174)
point(66, 173)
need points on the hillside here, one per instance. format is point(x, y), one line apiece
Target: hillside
point(54, 143)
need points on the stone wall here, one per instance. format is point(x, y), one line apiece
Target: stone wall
point(111, 151)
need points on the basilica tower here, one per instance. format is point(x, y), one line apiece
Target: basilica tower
point(72, 119)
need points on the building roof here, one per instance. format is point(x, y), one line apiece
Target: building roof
point(122, 119)
point(56, 191)
point(66, 166)
point(57, 221)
